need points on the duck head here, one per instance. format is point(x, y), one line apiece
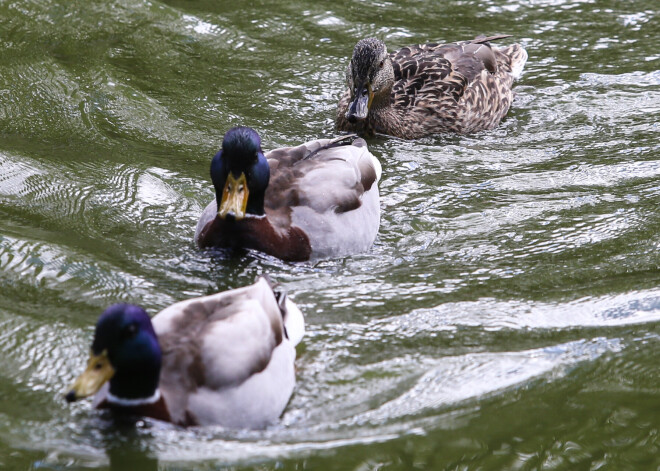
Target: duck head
point(240, 174)
point(370, 77)
point(125, 351)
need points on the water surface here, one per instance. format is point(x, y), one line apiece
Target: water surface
point(507, 316)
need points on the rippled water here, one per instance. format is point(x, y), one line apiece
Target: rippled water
point(507, 317)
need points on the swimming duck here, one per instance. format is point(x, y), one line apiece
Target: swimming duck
point(319, 199)
point(225, 359)
point(428, 88)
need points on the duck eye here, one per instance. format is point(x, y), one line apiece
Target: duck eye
point(131, 330)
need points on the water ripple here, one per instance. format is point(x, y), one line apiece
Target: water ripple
point(491, 314)
point(506, 316)
point(460, 378)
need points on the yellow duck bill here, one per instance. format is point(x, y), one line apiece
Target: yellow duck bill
point(98, 372)
point(234, 197)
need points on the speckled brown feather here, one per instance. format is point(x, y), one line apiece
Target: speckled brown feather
point(463, 87)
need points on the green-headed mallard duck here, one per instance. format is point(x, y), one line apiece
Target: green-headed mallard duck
point(225, 359)
point(428, 88)
point(319, 199)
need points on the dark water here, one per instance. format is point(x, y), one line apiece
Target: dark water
point(507, 317)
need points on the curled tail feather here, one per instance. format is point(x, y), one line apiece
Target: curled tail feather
point(516, 58)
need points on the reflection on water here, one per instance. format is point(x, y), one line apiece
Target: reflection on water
point(506, 317)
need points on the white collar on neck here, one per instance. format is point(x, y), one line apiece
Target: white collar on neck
point(255, 216)
point(140, 401)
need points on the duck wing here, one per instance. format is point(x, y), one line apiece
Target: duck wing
point(440, 70)
point(227, 359)
point(328, 189)
point(326, 174)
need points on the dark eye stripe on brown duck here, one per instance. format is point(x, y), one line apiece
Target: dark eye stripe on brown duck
point(428, 88)
point(225, 359)
point(317, 200)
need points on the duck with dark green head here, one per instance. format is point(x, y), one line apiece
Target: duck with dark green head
point(424, 89)
point(225, 359)
point(240, 175)
point(125, 351)
point(316, 200)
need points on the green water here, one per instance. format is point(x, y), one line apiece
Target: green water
point(507, 317)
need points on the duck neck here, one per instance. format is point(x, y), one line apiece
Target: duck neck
point(141, 401)
point(154, 407)
point(139, 383)
point(382, 100)
point(387, 119)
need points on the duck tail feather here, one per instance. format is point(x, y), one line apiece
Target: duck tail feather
point(342, 140)
point(483, 39)
point(518, 57)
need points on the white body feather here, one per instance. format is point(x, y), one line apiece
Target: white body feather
point(237, 340)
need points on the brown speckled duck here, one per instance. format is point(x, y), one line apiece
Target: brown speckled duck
point(225, 359)
point(316, 200)
point(428, 88)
